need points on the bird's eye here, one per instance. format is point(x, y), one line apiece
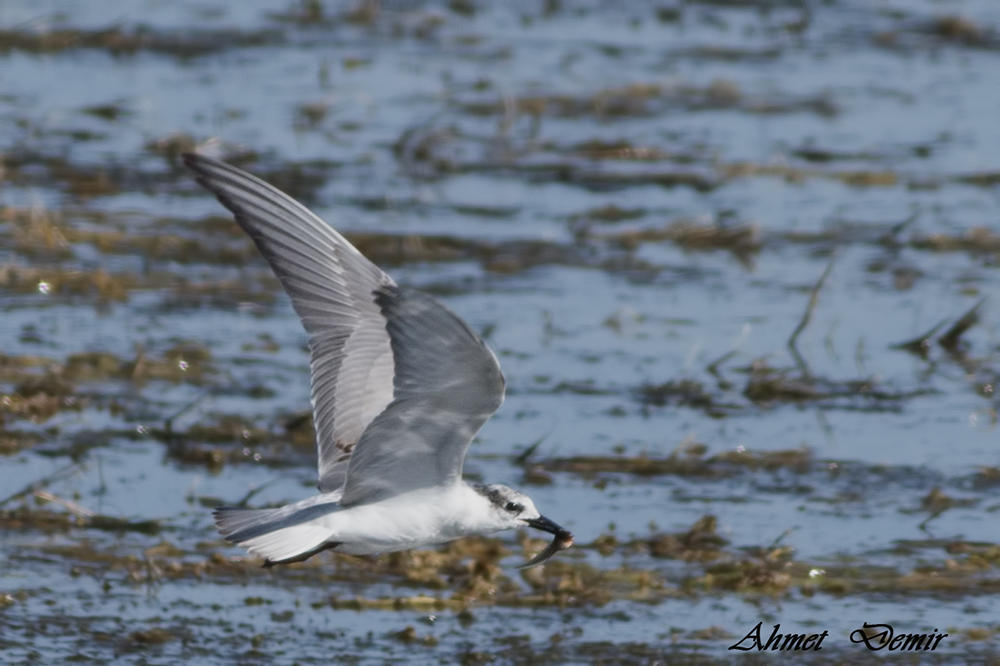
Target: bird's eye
point(514, 507)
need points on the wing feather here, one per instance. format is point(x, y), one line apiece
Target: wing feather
point(447, 384)
point(331, 285)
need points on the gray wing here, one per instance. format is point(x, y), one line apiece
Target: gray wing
point(447, 384)
point(332, 287)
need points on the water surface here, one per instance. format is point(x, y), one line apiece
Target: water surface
point(635, 206)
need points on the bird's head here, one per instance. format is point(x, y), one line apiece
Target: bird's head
point(510, 509)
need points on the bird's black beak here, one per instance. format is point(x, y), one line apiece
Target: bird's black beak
point(546, 525)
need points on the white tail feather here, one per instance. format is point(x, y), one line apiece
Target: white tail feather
point(287, 543)
point(277, 535)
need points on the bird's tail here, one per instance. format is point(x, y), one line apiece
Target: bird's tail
point(288, 534)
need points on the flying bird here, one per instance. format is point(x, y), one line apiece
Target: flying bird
point(400, 386)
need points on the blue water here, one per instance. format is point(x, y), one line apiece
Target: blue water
point(921, 106)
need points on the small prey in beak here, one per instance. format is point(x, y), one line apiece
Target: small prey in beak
point(563, 540)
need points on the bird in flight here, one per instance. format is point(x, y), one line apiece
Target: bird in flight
point(400, 386)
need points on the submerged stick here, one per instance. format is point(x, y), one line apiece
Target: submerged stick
point(41, 483)
point(921, 345)
point(74, 508)
point(950, 340)
point(806, 317)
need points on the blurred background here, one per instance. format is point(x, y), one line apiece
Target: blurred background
point(739, 261)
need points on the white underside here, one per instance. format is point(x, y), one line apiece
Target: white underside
point(411, 520)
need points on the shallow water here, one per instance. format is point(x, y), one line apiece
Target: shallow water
point(633, 206)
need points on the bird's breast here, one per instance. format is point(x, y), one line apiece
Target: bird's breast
point(413, 520)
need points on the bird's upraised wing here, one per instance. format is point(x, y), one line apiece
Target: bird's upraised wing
point(400, 384)
point(332, 287)
point(447, 384)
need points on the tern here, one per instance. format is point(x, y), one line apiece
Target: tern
point(400, 386)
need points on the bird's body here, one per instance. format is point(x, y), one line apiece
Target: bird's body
point(400, 386)
point(412, 520)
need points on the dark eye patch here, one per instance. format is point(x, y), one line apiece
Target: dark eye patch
point(514, 507)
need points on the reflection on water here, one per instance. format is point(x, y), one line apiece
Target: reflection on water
point(634, 206)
